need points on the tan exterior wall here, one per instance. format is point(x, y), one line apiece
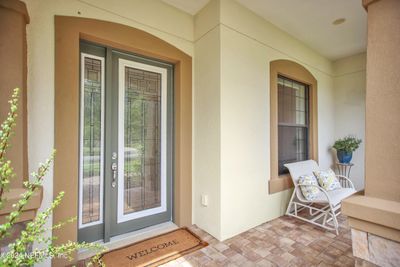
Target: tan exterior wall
point(383, 101)
point(375, 216)
point(13, 20)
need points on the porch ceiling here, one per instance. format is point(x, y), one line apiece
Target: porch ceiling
point(309, 21)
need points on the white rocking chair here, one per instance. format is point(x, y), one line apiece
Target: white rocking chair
point(328, 202)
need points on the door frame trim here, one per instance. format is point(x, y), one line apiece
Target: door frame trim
point(69, 31)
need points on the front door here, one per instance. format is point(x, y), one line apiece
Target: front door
point(126, 143)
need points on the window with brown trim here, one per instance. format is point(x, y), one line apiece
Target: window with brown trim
point(293, 120)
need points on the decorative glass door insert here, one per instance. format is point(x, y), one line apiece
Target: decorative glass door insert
point(142, 142)
point(92, 140)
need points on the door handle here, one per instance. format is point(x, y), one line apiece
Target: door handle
point(114, 169)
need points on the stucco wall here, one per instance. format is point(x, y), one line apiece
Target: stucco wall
point(235, 175)
point(207, 142)
point(382, 101)
point(248, 44)
point(13, 19)
point(350, 85)
point(207, 130)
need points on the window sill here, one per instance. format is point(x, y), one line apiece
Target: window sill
point(280, 183)
point(31, 208)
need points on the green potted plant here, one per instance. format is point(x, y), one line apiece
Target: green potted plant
point(345, 148)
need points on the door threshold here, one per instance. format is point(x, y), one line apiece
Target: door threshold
point(129, 238)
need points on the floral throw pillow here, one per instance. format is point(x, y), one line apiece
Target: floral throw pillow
point(327, 180)
point(309, 192)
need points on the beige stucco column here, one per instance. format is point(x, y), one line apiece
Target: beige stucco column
point(375, 216)
point(13, 20)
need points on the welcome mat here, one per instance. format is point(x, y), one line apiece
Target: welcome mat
point(156, 250)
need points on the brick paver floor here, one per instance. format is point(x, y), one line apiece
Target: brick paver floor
point(282, 242)
point(285, 241)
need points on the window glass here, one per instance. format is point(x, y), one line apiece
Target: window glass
point(91, 174)
point(293, 122)
point(142, 125)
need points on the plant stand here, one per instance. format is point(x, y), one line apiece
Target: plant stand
point(344, 169)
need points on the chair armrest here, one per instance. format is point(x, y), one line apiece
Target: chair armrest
point(319, 187)
point(347, 179)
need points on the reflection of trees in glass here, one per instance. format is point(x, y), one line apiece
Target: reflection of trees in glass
point(142, 97)
point(91, 139)
point(134, 135)
point(92, 129)
point(142, 139)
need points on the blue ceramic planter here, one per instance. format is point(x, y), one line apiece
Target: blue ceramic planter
point(344, 157)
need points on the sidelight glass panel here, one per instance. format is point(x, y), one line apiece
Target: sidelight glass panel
point(91, 149)
point(142, 140)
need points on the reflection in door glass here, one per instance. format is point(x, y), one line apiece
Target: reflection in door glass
point(142, 115)
point(91, 141)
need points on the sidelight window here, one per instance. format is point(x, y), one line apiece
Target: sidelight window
point(91, 139)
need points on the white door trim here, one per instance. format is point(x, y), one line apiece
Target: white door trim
point(82, 110)
point(122, 63)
